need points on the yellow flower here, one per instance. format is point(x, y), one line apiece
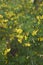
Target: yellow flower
point(9, 14)
point(34, 32)
point(41, 17)
point(41, 4)
point(20, 36)
point(27, 44)
point(4, 25)
point(38, 17)
point(6, 20)
point(6, 51)
point(20, 40)
point(1, 16)
point(19, 31)
point(40, 39)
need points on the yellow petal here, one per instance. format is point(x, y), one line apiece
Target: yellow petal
point(6, 51)
point(34, 32)
point(27, 44)
point(19, 30)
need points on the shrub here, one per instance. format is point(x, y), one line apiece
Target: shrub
point(21, 32)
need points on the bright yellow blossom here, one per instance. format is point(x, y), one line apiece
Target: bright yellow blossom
point(20, 40)
point(38, 17)
point(6, 51)
point(6, 20)
point(20, 36)
point(41, 4)
point(41, 17)
point(19, 31)
point(1, 16)
point(40, 38)
point(27, 44)
point(9, 14)
point(34, 32)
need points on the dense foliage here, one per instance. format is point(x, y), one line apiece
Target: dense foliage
point(21, 32)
